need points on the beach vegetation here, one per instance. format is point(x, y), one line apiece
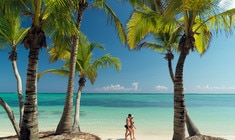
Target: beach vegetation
point(86, 68)
point(45, 19)
point(11, 35)
point(78, 7)
point(43, 16)
point(164, 42)
point(194, 23)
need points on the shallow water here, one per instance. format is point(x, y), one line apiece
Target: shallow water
point(213, 114)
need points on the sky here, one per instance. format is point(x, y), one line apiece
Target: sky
point(142, 71)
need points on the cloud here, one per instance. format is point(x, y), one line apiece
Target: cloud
point(161, 88)
point(135, 86)
point(227, 4)
point(215, 89)
point(119, 88)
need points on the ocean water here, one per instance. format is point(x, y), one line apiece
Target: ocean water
point(104, 113)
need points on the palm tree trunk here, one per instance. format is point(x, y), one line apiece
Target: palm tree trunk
point(65, 124)
point(191, 127)
point(179, 104)
point(76, 126)
point(29, 128)
point(11, 116)
point(171, 71)
point(19, 91)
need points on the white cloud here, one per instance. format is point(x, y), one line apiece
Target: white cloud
point(161, 88)
point(135, 86)
point(215, 89)
point(113, 87)
point(227, 4)
point(119, 88)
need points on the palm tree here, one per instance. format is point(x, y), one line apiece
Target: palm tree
point(199, 21)
point(79, 6)
point(195, 19)
point(86, 67)
point(11, 33)
point(166, 42)
point(44, 14)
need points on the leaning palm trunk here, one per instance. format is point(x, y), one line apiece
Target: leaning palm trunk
point(76, 126)
point(65, 124)
point(29, 128)
point(11, 116)
point(19, 91)
point(192, 129)
point(179, 104)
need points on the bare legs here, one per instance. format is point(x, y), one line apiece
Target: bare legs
point(128, 132)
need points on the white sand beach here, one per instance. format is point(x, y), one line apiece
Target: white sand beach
point(153, 115)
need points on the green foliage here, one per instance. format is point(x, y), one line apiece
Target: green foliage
point(11, 31)
point(202, 36)
point(86, 66)
point(60, 72)
point(56, 26)
point(197, 18)
point(112, 18)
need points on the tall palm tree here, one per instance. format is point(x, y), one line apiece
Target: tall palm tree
point(43, 14)
point(86, 67)
point(79, 6)
point(200, 19)
point(12, 34)
point(166, 42)
point(196, 19)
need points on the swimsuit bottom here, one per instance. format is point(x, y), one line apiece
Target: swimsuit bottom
point(126, 126)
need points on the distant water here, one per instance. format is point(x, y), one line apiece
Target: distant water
point(213, 114)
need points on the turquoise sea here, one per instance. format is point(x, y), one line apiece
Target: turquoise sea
point(104, 113)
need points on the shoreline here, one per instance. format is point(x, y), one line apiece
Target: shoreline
point(139, 136)
point(104, 136)
point(105, 116)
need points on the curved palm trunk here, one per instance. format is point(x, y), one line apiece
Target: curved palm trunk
point(11, 116)
point(65, 124)
point(192, 129)
point(179, 104)
point(29, 127)
point(169, 57)
point(76, 126)
point(19, 91)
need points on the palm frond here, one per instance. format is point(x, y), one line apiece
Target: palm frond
point(60, 72)
point(137, 3)
point(57, 53)
point(11, 31)
point(14, 6)
point(53, 11)
point(224, 20)
point(92, 75)
point(4, 30)
point(94, 45)
point(113, 19)
point(202, 37)
point(151, 45)
point(143, 22)
point(84, 64)
point(107, 61)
